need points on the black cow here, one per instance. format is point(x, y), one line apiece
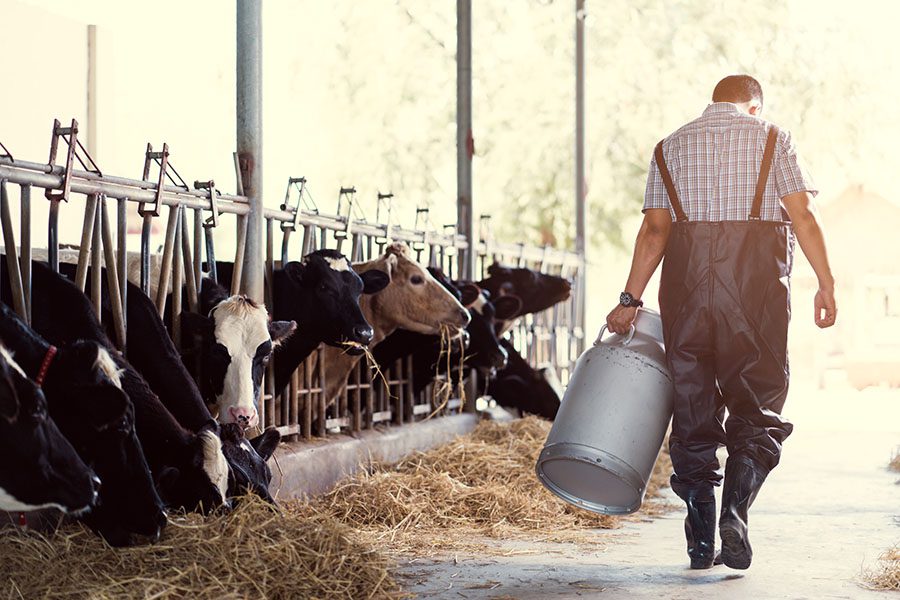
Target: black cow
point(248, 460)
point(538, 291)
point(189, 467)
point(321, 294)
point(40, 469)
point(520, 386)
point(83, 389)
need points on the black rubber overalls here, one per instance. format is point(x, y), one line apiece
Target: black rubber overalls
point(725, 305)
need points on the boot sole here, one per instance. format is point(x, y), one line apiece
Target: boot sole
point(736, 551)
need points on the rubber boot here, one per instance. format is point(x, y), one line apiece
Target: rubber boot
point(743, 480)
point(700, 529)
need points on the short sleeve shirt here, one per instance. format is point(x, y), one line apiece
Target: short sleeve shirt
point(714, 162)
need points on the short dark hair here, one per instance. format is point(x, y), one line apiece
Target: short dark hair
point(737, 89)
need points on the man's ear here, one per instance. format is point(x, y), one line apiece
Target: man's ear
point(280, 330)
point(197, 324)
point(507, 307)
point(266, 443)
point(374, 280)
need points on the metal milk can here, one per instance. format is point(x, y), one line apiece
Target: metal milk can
point(612, 421)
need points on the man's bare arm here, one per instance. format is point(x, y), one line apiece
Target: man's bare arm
point(809, 233)
point(649, 249)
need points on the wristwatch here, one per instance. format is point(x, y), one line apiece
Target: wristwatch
point(626, 299)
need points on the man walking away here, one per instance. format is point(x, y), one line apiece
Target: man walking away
point(725, 197)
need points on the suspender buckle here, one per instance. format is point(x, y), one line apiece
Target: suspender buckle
point(753, 218)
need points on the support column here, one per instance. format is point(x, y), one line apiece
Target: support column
point(580, 184)
point(249, 137)
point(465, 146)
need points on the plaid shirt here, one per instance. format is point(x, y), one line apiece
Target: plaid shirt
point(714, 162)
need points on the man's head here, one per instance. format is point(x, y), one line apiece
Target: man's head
point(742, 90)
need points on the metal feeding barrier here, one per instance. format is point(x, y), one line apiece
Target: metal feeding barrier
point(552, 338)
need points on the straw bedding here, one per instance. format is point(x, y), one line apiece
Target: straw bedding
point(886, 576)
point(479, 486)
point(253, 552)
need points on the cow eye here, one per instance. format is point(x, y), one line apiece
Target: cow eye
point(417, 280)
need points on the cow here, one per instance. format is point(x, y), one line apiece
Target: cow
point(189, 468)
point(237, 340)
point(321, 293)
point(40, 468)
point(84, 393)
point(537, 291)
point(482, 352)
point(413, 300)
point(248, 460)
point(522, 387)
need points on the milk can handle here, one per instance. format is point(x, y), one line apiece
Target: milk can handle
point(625, 342)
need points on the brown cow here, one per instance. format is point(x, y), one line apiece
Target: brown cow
point(413, 300)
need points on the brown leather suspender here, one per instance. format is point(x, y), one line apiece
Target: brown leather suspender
point(670, 186)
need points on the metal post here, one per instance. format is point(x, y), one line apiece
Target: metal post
point(249, 136)
point(92, 90)
point(580, 184)
point(465, 146)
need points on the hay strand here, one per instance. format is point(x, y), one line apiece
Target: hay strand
point(253, 552)
point(886, 575)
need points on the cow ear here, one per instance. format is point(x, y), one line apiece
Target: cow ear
point(281, 330)
point(266, 443)
point(295, 271)
point(197, 324)
point(210, 425)
point(496, 269)
point(507, 307)
point(470, 293)
point(374, 280)
point(106, 406)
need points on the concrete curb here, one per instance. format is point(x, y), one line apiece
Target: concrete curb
point(312, 468)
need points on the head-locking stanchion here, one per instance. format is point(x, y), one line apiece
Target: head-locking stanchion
point(209, 224)
point(346, 197)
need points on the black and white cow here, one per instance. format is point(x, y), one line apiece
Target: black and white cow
point(83, 388)
point(237, 340)
point(189, 467)
point(248, 460)
point(40, 469)
point(321, 294)
point(522, 387)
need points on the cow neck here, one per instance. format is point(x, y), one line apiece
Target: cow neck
point(293, 351)
point(382, 325)
point(28, 348)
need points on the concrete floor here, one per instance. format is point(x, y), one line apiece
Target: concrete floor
point(823, 517)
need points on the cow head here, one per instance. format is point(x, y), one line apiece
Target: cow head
point(200, 482)
point(237, 341)
point(485, 352)
point(414, 299)
point(323, 297)
point(40, 468)
point(247, 459)
point(87, 402)
point(537, 291)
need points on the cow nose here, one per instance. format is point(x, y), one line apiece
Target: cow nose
point(243, 416)
point(363, 335)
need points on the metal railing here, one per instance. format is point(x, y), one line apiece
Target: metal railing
point(552, 338)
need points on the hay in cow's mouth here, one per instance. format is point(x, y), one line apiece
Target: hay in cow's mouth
point(253, 552)
point(443, 387)
point(479, 486)
point(356, 348)
point(886, 575)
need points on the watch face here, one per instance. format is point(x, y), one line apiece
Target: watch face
point(625, 298)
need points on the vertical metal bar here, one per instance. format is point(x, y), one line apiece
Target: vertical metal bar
point(198, 245)
point(96, 262)
point(270, 262)
point(177, 273)
point(188, 263)
point(293, 400)
point(87, 234)
point(146, 228)
point(465, 145)
point(580, 184)
point(12, 260)
point(285, 246)
point(239, 255)
point(25, 260)
point(112, 276)
point(92, 90)
point(249, 135)
point(53, 236)
point(122, 263)
point(322, 400)
point(166, 266)
point(209, 236)
point(307, 403)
